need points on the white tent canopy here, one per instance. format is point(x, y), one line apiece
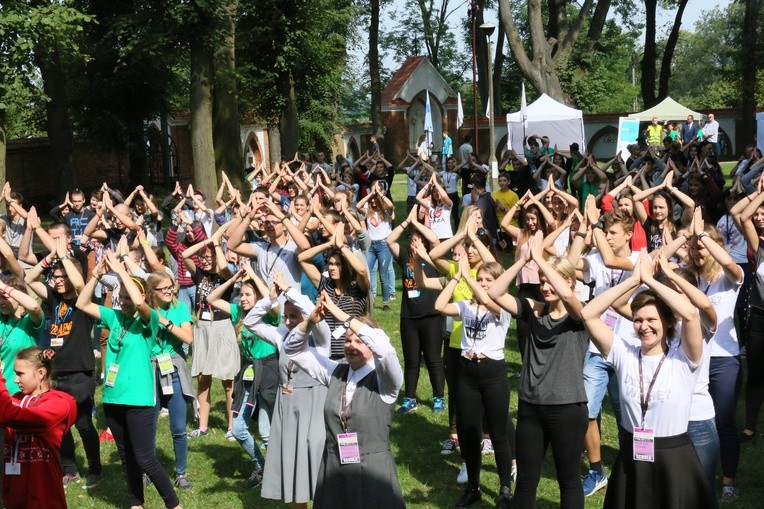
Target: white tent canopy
point(546, 117)
point(760, 130)
point(667, 109)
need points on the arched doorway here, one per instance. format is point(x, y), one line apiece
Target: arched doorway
point(253, 157)
point(415, 117)
point(352, 152)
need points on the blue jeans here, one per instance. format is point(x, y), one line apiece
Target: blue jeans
point(241, 431)
point(176, 405)
point(379, 255)
point(747, 178)
point(187, 295)
point(705, 439)
point(724, 378)
point(599, 376)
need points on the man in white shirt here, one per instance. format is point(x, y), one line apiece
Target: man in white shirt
point(711, 133)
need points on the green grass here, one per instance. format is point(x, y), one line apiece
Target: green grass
point(218, 468)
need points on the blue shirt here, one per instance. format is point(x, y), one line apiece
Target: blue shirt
point(448, 147)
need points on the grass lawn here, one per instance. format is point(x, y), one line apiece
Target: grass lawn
point(218, 468)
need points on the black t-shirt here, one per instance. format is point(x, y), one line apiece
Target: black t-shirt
point(70, 331)
point(552, 371)
point(416, 303)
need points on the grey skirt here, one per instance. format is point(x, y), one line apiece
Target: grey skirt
point(296, 445)
point(215, 350)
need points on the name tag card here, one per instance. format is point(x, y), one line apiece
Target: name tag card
point(644, 445)
point(350, 452)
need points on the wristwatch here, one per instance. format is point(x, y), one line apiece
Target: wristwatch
point(599, 224)
point(346, 323)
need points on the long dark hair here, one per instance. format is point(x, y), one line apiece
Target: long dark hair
point(347, 273)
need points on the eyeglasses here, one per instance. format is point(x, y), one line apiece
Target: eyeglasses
point(61, 277)
point(166, 289)
point(206, 258)
point(272, 223)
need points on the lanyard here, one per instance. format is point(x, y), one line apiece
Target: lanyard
point(644, 400)
point(613, 282)
point(345, 405)
point(267, 252)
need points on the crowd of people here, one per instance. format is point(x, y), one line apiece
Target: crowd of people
point(639, 278)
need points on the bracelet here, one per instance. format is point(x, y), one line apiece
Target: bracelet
point(169, 326)
point(37, 227)
point(283, 219)
point(122, 257)
point(581, 234)
point(145, 243)
point(7, 291)
point(45, 263)
point(702, 235)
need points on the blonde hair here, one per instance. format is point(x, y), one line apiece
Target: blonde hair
point(711, 270)
point(564, 268)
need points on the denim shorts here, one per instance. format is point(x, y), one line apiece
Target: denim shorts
point(599, 376)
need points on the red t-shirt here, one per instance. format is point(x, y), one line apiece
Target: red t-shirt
point(34, 428)
point(639, 237)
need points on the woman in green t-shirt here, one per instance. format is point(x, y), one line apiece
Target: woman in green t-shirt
point(20, 325)
point(174, 387)
point(128, 393)
point(255, 385)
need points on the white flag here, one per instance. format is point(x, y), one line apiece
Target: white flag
point(524, 108)
point(428, 122)
point(488, 108)
point(459, 112)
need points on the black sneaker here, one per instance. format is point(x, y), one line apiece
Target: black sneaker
point(92, 481)
point(469, 497)
point(505, 498)
point(256, 479)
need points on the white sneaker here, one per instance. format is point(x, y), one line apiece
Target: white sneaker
point(462, 477)
point(486, 446)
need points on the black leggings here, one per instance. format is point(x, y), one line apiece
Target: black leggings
point(451, 358)
point(133, 430)
point(563, 426)
point(754, 357)
point(526, 291)
point(482, 384)
point(81, 386)
point(423, 337)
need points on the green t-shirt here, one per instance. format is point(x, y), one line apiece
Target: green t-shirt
point(15, 335)
point(252, 347)
point(129, 347)
point(168, 343)
point(461, 292)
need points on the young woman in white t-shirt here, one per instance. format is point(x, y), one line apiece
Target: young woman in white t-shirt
point(438, 206)
point(657, 467)
point(482, 371)
point(379, 212)
point(720, 278)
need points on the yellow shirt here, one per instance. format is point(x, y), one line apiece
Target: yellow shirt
point(461, 292)
point(504, 201)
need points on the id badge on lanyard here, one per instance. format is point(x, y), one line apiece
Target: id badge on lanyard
point(643, 440)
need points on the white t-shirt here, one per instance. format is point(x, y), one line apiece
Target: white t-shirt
point(270, 258)
point(450, 180)
point(484, 334)
point(723, 295)
point(734, 241)
point(668, 410)
point(605, 278)
point(702, 406)
point(378, 225)
point(440, 221)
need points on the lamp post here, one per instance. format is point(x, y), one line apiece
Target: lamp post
point(488, 29)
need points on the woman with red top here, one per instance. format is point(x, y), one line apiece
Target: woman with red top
point(35, 421)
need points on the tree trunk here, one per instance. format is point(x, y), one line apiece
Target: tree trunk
point(229, 156)
point(668, 53)
point(205, 177)
point(498, 64)
point(597, 23)
point(3, 147)
point(376, 81)
point(749, 64)
point(274, 144)
point(58, 123)
point(290, 127)
point(647, 79)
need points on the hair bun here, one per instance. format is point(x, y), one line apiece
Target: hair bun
point(47, 355)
